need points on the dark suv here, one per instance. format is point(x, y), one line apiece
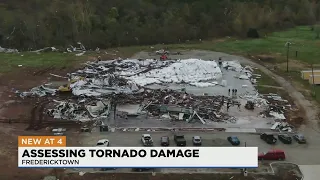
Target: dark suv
point(268, 138)
point(165, 141)
point(180, 140)
point(286, 139)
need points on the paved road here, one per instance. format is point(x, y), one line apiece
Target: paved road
point(307, 154)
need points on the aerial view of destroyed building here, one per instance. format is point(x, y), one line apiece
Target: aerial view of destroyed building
point(112, 88)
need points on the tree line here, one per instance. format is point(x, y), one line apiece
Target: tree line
point(36, 24)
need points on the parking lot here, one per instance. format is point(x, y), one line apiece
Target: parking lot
point(302, 154)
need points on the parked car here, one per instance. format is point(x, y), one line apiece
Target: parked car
point(165, 141)
point(234, 140)
point(196, 140)
point(180, 140)
point(268, 138)
point(103, 143)
point(274, 154)
point(140, 169)
point(285, 138)
point(300, 138)
point(146, 140)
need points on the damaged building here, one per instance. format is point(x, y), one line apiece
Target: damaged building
point(190, 91)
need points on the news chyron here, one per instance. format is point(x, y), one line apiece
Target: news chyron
point(52, 152)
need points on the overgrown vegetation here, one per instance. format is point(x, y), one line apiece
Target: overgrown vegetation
point(100, 23)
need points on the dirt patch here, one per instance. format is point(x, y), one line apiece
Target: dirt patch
point(287, 170)
point(219, 40)
point(294, 64)
point(13, 107)
point(265, 58)
point(149, 176)
point(8, 155)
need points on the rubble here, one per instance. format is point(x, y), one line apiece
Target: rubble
point(46, 49)
point(186, 71)
point(38, 91)
point(172, 103)
point(102, 85)
point(99, 109)
point(81, 48)
point(81, 110)
point(8, 50)
point(162, 51)
point(126, 76)
point(282, 126)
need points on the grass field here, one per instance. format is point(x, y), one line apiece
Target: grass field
point(28, 59)
point(302, 38)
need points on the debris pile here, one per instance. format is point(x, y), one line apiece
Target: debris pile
point(127, 76)
point(150, 71)
point(277, 106)
point(162, 51)
point(81, 49)
point(186, 71)
point(46, 49)
point(283, 126)
point(103, 85)
point(8, 50)
point(81, 110)
point(159, 102)
point(245, 73)
point(39, 91)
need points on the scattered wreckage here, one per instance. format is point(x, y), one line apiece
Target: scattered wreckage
point(95, 91)
point(8, 50)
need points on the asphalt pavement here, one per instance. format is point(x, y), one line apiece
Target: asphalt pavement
point(301, 154)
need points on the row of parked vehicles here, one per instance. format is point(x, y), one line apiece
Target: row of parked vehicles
point(284, 138)
point(180, 140)
point(147, 140)
point(277, 154)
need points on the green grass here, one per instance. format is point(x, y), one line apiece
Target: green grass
point(265, 79)
point(33, 60)
point(302, 38)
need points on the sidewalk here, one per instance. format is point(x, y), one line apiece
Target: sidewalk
point(186, 129)
point(310, 172)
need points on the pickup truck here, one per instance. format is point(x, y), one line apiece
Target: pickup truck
point(146, 140)
point(180, 140)
point(268, 138)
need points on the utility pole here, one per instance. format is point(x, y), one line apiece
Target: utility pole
point(313, 85)
point(245, 173)
point(288, 48)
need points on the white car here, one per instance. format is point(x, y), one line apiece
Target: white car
point(103, 143)
point(196, 140)
point(146, 140)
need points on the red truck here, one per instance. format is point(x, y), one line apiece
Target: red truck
point(274, 154)
point(164, 57)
